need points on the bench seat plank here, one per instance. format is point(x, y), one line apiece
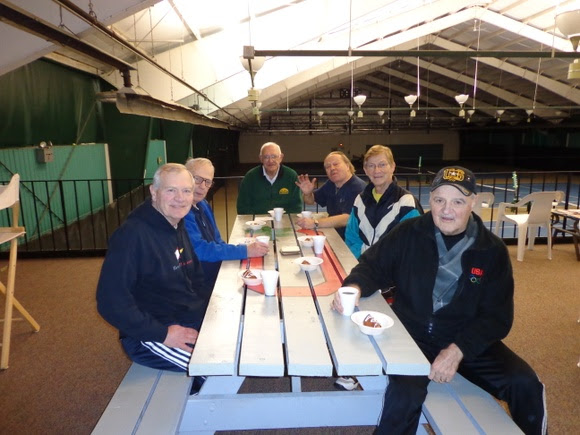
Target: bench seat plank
point(166, 405)
point(462, 407)
point(126, 405)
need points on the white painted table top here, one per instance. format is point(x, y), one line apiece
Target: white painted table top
point(248, 334)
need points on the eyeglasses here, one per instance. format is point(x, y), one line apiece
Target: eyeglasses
point(271, 157)
point(372, 166)
point(199, 180)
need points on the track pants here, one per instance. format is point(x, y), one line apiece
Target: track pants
point(156, 355)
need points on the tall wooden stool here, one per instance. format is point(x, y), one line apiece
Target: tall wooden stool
point(9, 199)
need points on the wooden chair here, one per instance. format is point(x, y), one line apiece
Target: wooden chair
point(9, 199)
point(540, 214)
point(483, 200)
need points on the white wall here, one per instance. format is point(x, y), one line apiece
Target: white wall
point(306, 148)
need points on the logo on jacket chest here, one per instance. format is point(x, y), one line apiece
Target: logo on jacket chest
point(284, 191)
point(476, 275)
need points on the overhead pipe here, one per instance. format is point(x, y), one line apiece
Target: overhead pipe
point(85, 16)
point(499, 54)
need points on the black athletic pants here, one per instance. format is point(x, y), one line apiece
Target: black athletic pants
point(499, 371)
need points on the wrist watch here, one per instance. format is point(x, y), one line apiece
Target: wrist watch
point(315, 224)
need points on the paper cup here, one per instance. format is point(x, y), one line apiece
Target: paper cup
point(270, 282)
point(318, 244)
point(348, 297)
point(278, 213)
point(263, 239)
point(306, 214)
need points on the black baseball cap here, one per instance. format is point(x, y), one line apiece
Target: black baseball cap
point(456, 176)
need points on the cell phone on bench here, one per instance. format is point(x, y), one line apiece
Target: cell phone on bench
point(290, 250)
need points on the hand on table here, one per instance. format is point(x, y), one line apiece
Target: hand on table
point(257, 249)
point(307, 223)
point(181, 337)
point(305, 184)
point(445, 365)
point(337, 306)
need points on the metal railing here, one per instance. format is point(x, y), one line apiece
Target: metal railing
point(77, 217)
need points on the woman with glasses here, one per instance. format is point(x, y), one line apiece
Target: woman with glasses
point(202, 229)
point(382, 205)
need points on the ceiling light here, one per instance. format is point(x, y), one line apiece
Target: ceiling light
point(498, 113)
point(410, 99)
point(320, 113)
point(350, 113)
point(568, 23)
point(470, 112)
point(461, 99)
point(530, 112)
point(380, 113)
point(359, 100)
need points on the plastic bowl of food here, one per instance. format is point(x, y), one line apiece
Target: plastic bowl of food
point(308, 264)
point(372, 322)
point(255, 225)
point(306, 241)
point(251, 276)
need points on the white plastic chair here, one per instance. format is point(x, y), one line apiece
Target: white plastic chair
point(9, 199)
point(539, 215)
point(483, 200)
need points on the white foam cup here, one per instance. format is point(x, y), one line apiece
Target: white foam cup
point(348, 297)
point(263, 239)
point(270, 282)
point(278, 212)
point(318, 244)
point(306, 214)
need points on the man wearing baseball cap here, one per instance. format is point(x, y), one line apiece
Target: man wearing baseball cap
point(454, 294)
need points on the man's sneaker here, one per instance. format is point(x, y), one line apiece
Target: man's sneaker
point(346, 383)
point(196, 385)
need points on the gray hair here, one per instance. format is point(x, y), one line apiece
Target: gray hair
point(192, 163)
point(168, 168)
point(267, 144)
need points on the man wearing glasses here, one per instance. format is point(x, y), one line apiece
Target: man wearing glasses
point(270, 185)
point(202, 229)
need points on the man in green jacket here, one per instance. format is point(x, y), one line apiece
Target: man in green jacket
point(269, 185)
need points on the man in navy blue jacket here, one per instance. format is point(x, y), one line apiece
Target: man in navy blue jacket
point(202, 229)
point(151, 286)
point(454, 295)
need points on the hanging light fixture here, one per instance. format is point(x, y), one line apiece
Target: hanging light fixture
point(410, 100)
point(568, 22)
point(530, 112)
point(461, 99)
point(381, 113)
point(470, 113)
point(359, 100)
point(498, 113)
point(320, 113)
point(350, 113)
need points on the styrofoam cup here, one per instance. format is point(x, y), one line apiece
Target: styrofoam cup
point(278, 213)
point(318, 243)
point(263, 239)
point(270, 282)
point(348, 297)
point(306, 214)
